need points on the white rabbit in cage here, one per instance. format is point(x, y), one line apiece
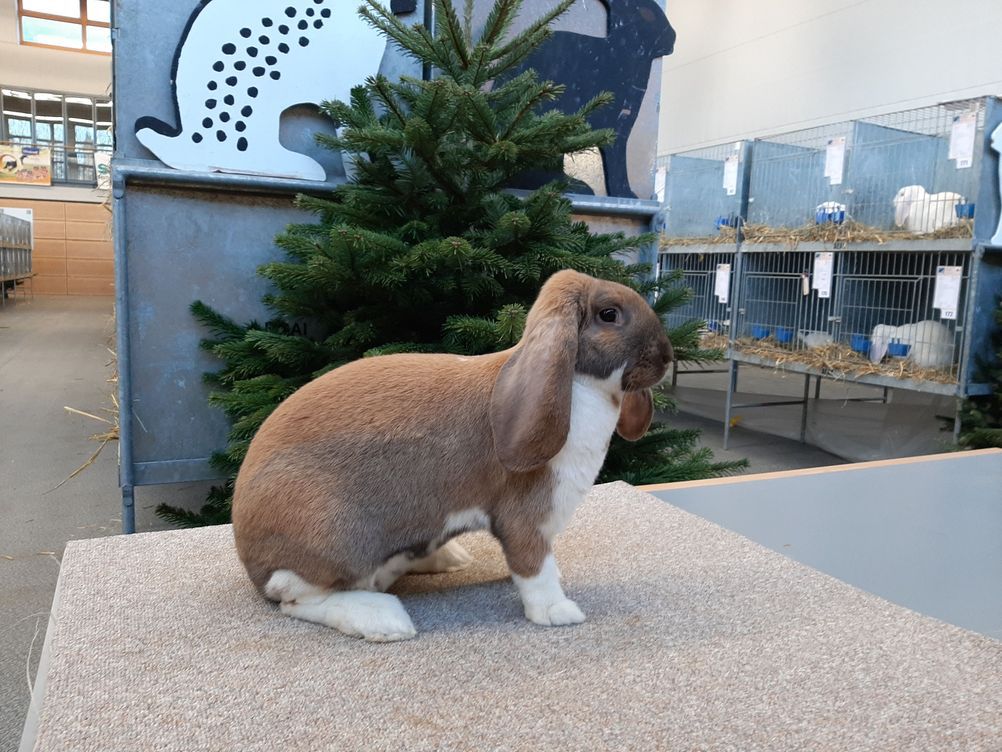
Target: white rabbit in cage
point(930, 343)
point(919, 211)
point(814, 340)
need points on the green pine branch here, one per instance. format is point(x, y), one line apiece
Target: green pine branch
point(426, 249)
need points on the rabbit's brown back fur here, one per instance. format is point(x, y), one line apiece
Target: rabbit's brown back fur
point(352, 483)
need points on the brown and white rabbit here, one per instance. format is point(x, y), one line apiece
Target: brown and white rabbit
point(369, 471)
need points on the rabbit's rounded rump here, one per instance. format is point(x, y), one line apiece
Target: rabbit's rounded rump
point(369, 471)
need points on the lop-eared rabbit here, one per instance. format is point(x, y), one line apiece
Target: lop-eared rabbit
point(369, 472)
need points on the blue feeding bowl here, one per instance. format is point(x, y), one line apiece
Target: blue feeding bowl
point(760, 332)
point(964, 211)
point(834, 217)
point(729, 221)
point(784, 334)
point(860, 343)
point(898, 349)
point(714, 326)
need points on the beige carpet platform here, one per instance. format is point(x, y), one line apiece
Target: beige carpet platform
point(696, 639)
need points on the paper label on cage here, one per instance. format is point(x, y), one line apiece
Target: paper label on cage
point(946, 296)
point(660, 179)
point(731, 175)
point(835, 160)
point(722, 282)
point(823, 265)
point(963, 133)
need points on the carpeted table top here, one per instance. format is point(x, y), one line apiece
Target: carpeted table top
point(696, 639)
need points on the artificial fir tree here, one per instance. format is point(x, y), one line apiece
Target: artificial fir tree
point(981, 417)
point(424, 249)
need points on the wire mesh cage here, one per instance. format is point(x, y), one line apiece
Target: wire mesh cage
point(15, 247)
point(704, 190)
point(916, 172)
point(711, 278)
point(864, 313)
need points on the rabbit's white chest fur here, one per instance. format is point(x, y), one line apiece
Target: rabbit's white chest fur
point(595, 405)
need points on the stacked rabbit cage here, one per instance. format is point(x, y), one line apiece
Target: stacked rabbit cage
point(704, 199)
point(862, 247)
point(15, 251)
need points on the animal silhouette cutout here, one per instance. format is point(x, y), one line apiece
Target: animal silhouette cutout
point(241, 63)
point(638, 33)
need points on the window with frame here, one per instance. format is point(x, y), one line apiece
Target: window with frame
point(75, 127)
point(83, 25)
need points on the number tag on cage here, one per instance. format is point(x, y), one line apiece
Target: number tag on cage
point(722, 282)
point(962, 136)
point(822, 281)
point(835, 160)
point(731, 174)
point(946, 296)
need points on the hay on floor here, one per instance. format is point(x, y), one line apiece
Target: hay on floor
point(839, 361)
point(849, 231)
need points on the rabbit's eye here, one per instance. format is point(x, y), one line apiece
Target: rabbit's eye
point(608, 315)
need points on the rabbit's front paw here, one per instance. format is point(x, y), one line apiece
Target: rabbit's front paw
point(557, 614)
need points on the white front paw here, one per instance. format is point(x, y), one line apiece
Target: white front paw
point(557, 614)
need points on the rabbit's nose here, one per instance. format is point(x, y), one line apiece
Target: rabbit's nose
point(667, 353)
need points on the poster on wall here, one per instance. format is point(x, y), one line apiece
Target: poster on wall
point(25, 165)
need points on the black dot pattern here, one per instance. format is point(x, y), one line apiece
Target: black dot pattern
point(224, 124)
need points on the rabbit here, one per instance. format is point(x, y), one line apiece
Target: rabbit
point(997, 146)
point(638, 33)
point(372, 469)
point(919, 211)
point(931, 343)
point(240, 64)
point(814, 340)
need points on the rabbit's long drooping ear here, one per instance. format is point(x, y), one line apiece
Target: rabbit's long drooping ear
point(531, 403)
point(636, 414)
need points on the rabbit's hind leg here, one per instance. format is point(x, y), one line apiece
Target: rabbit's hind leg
point(376, 617)
point(450, 557)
